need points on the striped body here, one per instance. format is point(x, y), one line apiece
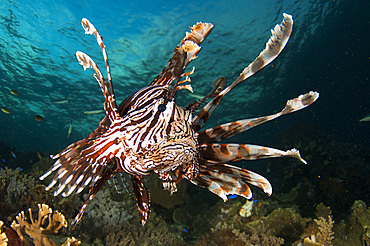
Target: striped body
point(149, 133)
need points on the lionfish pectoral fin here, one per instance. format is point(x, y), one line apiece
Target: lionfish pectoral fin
point(230, 129)
point(224, 179)
point(142, 197)
point(189, 46)
point(84, 163)
point(92, 192)
point(238, 152)
point(276, 43)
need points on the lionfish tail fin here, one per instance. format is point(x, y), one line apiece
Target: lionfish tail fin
point(224, 179)
point(279, 38)
point(184, 53)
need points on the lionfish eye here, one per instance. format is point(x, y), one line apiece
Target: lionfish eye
point(161, 107)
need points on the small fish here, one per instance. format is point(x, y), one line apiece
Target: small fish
point(367, 118)
point(3, 160)
point(39, 155)
point(69, 130)
point(196, 96)
point(39, 118)
point(15, 93)
point(94, 111)
point(185, 230)
point(232, 196)
point(13, 154)
point(63, 101)
point(5, 110)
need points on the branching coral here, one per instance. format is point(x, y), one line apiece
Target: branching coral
point(319, 234)
point(48, 222)
point(325, 234)
point(3, 238)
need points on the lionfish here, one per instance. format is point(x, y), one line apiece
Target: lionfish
point(148, 132)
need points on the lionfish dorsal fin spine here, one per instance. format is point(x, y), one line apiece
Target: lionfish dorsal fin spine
point(189, 45)
point(107, 87)
point(222, 153)
point(230, 129)
point(276, 43)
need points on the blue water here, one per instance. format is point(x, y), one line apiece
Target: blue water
point(39, 41)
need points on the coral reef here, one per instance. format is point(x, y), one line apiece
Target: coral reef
point(17, 184)
point(155, 232)
point(190, 216)
point(282, 222)
point(227, 235)
point(105, 211)
point(356, 230)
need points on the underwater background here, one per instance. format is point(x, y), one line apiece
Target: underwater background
point(44, 93)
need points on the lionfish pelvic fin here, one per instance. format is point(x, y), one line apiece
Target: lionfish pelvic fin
point(224, 179)
point(142, 197)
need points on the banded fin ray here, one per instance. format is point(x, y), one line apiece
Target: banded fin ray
point(238, 152)
point(184, 53)
point(92, 192)
point(110, 106)
point(224, 179)
point(83, 164)
point(142, 197)
point(276, 43)
point(230, 129)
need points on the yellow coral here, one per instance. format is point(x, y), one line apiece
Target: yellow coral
point(3, 238)
point(48, 222)
point(71, 242)
point(325, 234)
